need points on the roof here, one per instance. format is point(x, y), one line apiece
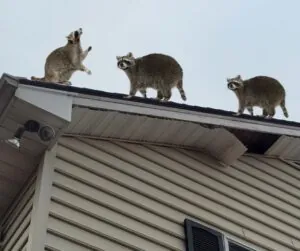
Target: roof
point(81, 112)
point(120, 96)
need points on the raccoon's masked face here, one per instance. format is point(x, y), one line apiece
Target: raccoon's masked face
point(125, 62)
point(74, 36)
point(235, 83)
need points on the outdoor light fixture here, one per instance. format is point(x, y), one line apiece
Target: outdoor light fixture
point(45, 133)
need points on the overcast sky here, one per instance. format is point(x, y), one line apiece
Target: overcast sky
point(211, 39)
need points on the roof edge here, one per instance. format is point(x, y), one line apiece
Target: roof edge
point(95, 99)
point(190, 116)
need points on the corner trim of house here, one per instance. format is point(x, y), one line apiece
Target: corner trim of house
point(41, 202)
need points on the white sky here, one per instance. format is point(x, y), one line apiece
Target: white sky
point(211, 39)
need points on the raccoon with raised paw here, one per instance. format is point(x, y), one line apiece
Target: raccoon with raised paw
point(157, 71)
point(64, 61)
point(262, 91)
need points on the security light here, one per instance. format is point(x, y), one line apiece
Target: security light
point(45, 133)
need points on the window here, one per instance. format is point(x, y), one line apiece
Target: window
point(232, 246)
point(201, 238)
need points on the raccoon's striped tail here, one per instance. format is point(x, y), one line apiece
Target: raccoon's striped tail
point(282, 105)
point(37, 79)
point(180, 89)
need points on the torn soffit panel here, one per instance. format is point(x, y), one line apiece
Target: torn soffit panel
point(114, 125)
point(224, 146)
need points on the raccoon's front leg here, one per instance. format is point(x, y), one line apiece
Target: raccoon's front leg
point(250, 110)
point(133, 90)
point(159, 95)
point(83, 68)
point(241, 109)
point(143, 91)
point(85, 53)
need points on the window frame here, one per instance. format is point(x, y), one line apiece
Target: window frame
point(224, 241)
point(229, 240)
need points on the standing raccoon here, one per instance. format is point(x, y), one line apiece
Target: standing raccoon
point(64, 61)
point(261, 91)
point(157, 71)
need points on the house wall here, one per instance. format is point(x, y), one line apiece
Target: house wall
point(119, 196)
point(15, 224)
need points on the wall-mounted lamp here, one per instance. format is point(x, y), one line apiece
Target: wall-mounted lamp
point(45, 133)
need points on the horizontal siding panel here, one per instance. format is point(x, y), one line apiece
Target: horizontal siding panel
point(15, 225)
point(22, 241)
point(111, 217)
point(24, 214)
point(114, 189)
point(17, 207)
point(20, 231)
point(282, 166)
point(65, 237)
point(98, 228)
point(200, 183)
point(273, 176)
point(246, 183)
point(190, 197)
point(178, 196)
point(58, 243)
point(225, 181)
point(179, 173)
point(158, 207)
point(133, 210)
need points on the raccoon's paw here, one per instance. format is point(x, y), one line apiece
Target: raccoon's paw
point(33, 78)
point(237, 114)
point(164, 100)
point(90, 48)
point(68, 83)
point(128, 96)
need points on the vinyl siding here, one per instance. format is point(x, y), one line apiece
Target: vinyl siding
point(120, 196)
point(15, 225)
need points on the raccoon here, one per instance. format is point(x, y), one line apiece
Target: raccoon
point(157, 71)
point(261, 91)
point(64, 61)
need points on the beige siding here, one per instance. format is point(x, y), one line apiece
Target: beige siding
point(15, 225)
point(120, 196)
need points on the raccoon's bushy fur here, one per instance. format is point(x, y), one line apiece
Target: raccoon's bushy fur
point(157, 71)
point(261, 91)
point(64, 61)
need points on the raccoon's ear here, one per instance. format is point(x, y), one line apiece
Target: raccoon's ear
point(239, 76)
point(118, 57)
point(228, 79)
point(130, 54)
point(69, 35)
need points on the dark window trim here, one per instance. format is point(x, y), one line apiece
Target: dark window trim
point(189, 224)
point(238, 244)
point(224, 241)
